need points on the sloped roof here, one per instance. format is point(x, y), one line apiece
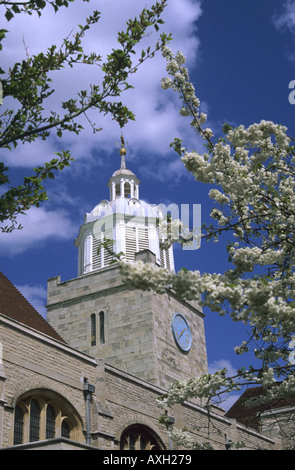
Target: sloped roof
point(15, 306)
point(250, 416)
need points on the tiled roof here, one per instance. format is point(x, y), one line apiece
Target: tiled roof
point(14, 305)
point(250, 416)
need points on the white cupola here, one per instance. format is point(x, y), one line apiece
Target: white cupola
point(126, 220)
point(123, 183)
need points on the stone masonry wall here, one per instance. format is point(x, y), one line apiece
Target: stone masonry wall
point(33, 361)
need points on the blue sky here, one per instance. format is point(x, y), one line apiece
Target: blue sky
point(240, 55)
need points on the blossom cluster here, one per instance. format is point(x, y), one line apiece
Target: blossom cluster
point(272, 389)
point(180, 82)
point(182, 438)
point(205, 386)
point(148, 276)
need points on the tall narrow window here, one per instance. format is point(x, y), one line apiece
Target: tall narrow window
point(18, 426)
point(127, 190)
point(34, 421)
point(93, 329)
point(50, 422)
point(101, 328)
point(65, 429)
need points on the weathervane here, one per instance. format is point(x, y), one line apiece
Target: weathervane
point(123, 152)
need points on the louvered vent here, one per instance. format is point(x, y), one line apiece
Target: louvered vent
point(100, 255)
point(137, 239)
point(164, 256)
point(96, 254)
point(167, 253)
point(130, 242)
point(143, 239)
point(107, 256)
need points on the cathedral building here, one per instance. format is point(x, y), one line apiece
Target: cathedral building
point(89, 376)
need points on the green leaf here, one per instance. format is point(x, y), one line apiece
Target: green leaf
point(8, 15)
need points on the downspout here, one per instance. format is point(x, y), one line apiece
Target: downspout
point(88, 390)
point(2, 393)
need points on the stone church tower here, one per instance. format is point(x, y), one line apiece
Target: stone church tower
point(157, 338)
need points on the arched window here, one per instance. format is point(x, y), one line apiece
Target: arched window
point(101, 327)
point(41, 415)
point(18, 425)
point(138, 438)
point(93, 329)
point(50, 422)
point(34, 421)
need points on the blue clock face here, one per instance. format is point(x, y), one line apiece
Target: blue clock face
point(181, 332)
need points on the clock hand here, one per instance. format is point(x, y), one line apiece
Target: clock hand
point(181, 333)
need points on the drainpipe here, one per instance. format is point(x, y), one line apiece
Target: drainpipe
point(88, 390)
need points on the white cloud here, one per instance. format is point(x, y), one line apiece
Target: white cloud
point(222, 364)
point(39, 225)
point(286, 19)
point(227, 399)
point(30, 155)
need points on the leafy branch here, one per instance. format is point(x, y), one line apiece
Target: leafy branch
point(29, 84)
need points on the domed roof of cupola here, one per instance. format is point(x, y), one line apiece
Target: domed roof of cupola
point(123, 171)
point(126, 206)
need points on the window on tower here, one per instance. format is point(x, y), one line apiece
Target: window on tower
point(93, 329)
point(127, 189)
point(102, 327)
